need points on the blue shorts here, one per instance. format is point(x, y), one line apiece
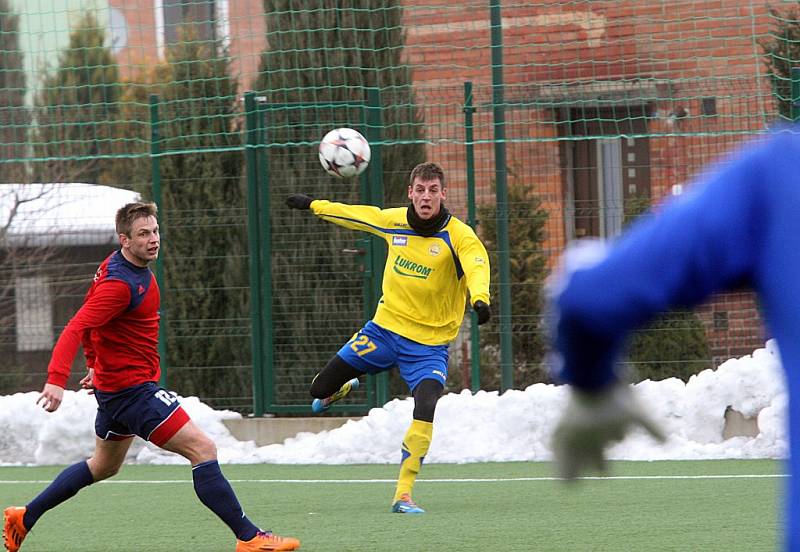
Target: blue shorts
point(146, 410)
point(374, 349)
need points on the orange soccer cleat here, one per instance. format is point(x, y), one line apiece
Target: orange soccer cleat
point(14, 531)
point(265, 541)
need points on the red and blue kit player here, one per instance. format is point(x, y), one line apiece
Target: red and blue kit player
point(738, 227)
point(434, 261)
point(118, 328)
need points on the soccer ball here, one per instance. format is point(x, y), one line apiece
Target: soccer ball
point(344, 153)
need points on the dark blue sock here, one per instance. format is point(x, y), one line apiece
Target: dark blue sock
point(63, 487)
point(216, 493)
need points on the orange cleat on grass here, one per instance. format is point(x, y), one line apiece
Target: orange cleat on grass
point(14, 531)
point(265, 541)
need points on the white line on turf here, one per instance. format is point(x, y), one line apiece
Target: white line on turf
point(456, 480)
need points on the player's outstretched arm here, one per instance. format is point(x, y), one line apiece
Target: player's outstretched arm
point(299, 201)
point(593, 420)
point(366, 218)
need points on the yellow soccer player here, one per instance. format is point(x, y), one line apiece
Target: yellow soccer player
point(434, 259)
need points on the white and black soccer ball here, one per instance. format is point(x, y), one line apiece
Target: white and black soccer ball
point(344, 153)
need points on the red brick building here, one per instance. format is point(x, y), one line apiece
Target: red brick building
point(606, 101)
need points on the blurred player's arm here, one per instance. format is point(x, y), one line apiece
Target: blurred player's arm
point(698, 244)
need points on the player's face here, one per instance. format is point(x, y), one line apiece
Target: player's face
point(141, 247)
point(426, 196)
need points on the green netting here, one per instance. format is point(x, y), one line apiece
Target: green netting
point(608, 107)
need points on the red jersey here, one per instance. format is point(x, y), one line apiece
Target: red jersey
point(118, 327)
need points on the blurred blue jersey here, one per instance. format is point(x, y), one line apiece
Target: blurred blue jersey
point(739, 226)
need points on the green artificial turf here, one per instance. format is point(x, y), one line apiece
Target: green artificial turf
point(647, 506)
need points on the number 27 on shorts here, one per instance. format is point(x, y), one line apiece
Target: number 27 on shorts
point(361, 344)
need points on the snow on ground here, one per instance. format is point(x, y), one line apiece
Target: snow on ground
point(487, 426)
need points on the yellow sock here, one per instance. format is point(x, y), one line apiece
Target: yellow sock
point(415, 447)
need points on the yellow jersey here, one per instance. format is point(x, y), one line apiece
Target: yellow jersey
point(426, 279)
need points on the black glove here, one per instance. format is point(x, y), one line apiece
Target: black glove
point(299, 201)
point(483, 310)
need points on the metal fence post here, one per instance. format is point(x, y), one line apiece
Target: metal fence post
point(472, 220)
point(498, 101)
point(263, 186)
point(254, 250)
point(375, 197)
point(155, 172)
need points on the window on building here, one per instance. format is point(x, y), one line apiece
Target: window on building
point(205, 20)
point(34, 313)
point(606, 177)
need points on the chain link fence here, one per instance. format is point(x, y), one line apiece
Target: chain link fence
point(600, 110)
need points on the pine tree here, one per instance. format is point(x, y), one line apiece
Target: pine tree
point(672, 346)
point(77, 109)
point(321, 52)
point(202, 219)
point(528, 263)
point(131, 166)
point(14, 114)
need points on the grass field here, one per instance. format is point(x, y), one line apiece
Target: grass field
point(728, 505)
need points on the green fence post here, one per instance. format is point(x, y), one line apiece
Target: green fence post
point(795, 75)
point(259, 145)
point(263, 185)
point(254, 250)
point(472, 220)
point(504, 285)
point(378, 250)
point(364, 249)
point(155, 171)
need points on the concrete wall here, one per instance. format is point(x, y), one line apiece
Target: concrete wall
point(267, 431)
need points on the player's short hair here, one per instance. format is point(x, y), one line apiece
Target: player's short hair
point(427, 172)
point(132, 211)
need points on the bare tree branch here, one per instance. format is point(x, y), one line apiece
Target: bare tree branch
point(23, 254)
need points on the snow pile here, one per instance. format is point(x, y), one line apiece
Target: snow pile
point(485, 427)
